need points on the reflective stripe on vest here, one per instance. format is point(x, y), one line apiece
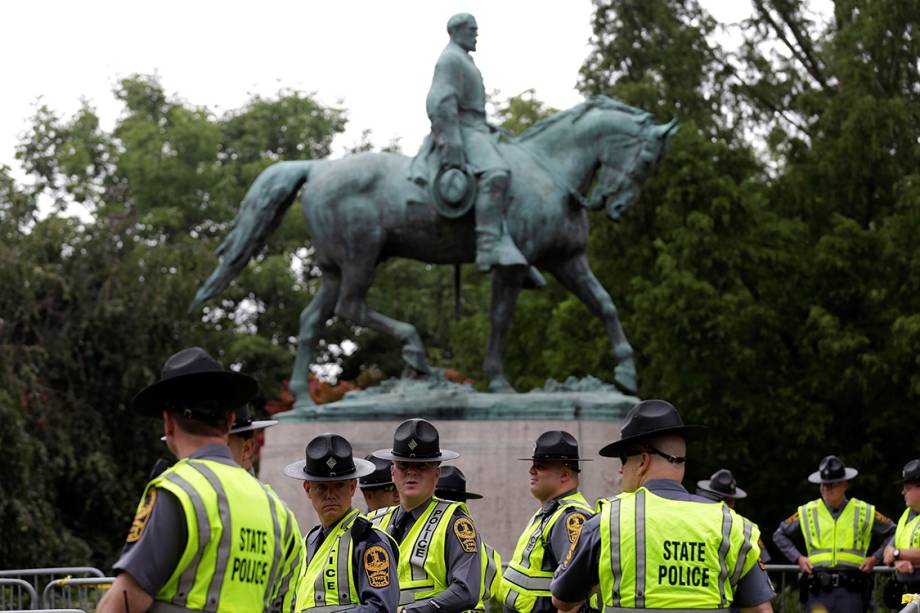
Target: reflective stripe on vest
point(422, 562)
point(231, 559)
point(907, 534)
point(490, 577)
point(327, 580)
point(659, 553)
point(525, 580)
point(841, 542)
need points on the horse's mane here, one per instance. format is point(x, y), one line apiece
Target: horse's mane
point(576, 112)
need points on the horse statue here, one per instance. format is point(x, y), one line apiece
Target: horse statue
point(362, 209)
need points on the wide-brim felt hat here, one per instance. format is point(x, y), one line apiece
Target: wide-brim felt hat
point(192, 377)
point(832, 470)
point(910, 472)
point(722, 484)
point(649, 419)
point(328, 458)
point(558, 446)
point(244, 422)
point(452, 485)
point(381, 476)
point(416, 440)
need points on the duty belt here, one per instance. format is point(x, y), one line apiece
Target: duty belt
point(826, 581)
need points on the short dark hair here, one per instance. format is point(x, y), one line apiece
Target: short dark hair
point(201, 419)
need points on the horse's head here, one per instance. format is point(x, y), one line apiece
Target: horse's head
point(631, 145)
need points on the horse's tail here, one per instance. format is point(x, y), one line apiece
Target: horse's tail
point(263, 208)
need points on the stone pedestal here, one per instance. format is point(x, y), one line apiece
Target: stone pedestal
point(489, 444)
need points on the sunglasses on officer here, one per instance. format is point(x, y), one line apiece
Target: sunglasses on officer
point(651, 449)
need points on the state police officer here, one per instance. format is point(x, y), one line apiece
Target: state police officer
point(551, 531)
point(903, 549)
point(348, 564)
point(207, 536)
point(378, 488)
point(837, 533)
point(440, 553)
point(452, 486)
point(242, 440)
point(656, 546)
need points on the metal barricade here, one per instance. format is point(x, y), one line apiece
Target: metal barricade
point(84, 592)
point(14, 593)
point(36, 579)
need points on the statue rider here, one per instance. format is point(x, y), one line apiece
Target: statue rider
point(460, 135)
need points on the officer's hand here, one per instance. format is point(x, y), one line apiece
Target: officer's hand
point(903, 566)
point(868, 564)
point(889, 555)
point(805, 565)
point(454, 155)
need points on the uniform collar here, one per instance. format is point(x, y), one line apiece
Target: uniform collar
point(553, 503)
point(416, 512)
point(838, 509)
point(214, 450)
point(664, 485)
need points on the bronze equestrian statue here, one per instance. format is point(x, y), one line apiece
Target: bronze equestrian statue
point(361, 210)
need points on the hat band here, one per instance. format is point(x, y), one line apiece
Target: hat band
point(432, 455)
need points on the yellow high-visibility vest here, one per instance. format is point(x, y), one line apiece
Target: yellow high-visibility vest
point(836, 543)
point(658, 553)
point(524, 580)
point(907, 534)
point(327, 581)
point(422, 566)
point(243, 548)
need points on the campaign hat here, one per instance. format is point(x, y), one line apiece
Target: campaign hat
point(556, 445)
point(648, 419)
point(416, 440)
point(244, 421)
point(452, 485)
point(911, 471)
point(832, 470)
point(328, 458)
point(194, 381)
point(381, 476)
point(722, 483)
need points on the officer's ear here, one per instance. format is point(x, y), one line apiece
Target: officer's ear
point(352, 486)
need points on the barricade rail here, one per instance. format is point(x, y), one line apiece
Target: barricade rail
point(20, 587)
point(84, 591)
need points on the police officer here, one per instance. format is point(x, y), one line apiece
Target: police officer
point(440, 559)
point(378, 488)
point(348, 564)
point(207, 536)
point(903, 549)
point(722, 487)
point(452, 486)
point(551, 531)
point(242, 440)
point(837, 533)
point(656, 546)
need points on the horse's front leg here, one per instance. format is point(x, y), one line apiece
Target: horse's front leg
point(506, 285)
point(575, 275)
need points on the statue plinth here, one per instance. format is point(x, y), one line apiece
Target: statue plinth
point(435, 398)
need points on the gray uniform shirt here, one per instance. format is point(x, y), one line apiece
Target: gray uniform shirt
point(789, 533)
point(559, 542)
point(464, 568)
point(573, 581)
point(151, 559)
point(373, 599)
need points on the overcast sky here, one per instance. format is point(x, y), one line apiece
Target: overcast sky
point(373, 57)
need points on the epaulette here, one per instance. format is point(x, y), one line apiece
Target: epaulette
point(361, 528)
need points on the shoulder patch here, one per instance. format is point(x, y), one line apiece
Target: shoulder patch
point(573, 525)
point(791, 519)
point(377, 566)
point(466, 534)
point(882, 519)
point(142, 516)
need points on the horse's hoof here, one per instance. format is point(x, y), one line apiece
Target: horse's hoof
point(500, 385)
point(415, 359)
point(408, 372)
point(624, 377)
